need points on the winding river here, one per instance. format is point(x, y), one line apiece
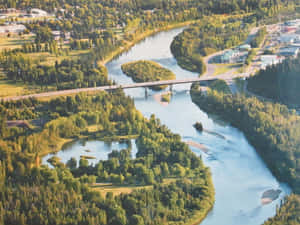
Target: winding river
point(240, 176)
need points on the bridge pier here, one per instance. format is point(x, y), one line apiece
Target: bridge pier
point(146, 93)
point(171, 88)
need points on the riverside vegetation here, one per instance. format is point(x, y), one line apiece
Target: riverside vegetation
point(102, 29)
point(31, 193)
point(145, 71)
point(206, 37)
point(272, 129)
point(278, 82)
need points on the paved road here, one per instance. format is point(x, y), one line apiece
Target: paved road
point(108, 88)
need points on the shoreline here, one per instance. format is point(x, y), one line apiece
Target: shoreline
point(140, 37)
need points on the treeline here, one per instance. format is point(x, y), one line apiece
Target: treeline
point(31, 193)
point(271, 128)
point(82, 17)
point(279, 82)
point(206, 37)
point(51, 47)
point(250, 57)
point(288, 213)
point(64, 75)
point(259, 37)
point(145, 71)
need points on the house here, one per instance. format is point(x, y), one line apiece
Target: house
point(228, 56)
point(38, 13)
point(289, 52)
point(245, 47)
point(67, 36)
point(56, 35)
point(287, 39)
point(267, 60)
point(290, 29)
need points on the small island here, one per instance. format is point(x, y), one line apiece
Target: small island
point(198, 126)
point(166, 97)
point(270, 196)
point(145, 71)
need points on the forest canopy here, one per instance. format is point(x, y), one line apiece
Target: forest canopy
point(279, 82)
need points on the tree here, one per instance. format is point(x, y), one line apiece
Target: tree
point(72, 163)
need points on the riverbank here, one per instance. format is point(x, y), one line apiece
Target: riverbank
point(264, 124)
point(140, 37)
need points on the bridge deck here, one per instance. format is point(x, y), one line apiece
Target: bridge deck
point(107, 88)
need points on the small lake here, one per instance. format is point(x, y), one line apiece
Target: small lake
point(99, 150)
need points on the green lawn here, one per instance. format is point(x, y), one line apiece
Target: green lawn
point(11, 88)
point(224, 68)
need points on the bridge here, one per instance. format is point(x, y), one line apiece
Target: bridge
point(109, 88)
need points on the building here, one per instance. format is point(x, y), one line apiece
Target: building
point(38, 13)
point(228, 56)
point(289, 52)
point(267, 60)
point(56, 35)
point(245, 47)
point(288, 39)
point(16, 28)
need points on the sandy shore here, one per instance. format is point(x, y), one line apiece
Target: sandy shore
point(197, 145)
point(270, 196)
point(157, 97)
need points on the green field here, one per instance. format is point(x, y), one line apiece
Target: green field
point(14, 41)
point(104, 188)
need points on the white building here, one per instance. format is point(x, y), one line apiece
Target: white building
point(38, 13)
point(268, 60)
point(16, 28)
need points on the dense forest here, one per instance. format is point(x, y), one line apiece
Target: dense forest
point(31, 193)
point(144, 71)
point(273, 130)
point(64, 75)
point(206, 37)
point(288, 213)
point(278, 82)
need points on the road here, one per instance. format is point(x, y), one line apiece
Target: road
point(230, 75)
point(208, 75)
point(108, 88)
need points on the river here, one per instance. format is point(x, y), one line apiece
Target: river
point(240, 176)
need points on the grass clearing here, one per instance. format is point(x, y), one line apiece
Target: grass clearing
point(104, 188)
point(10, 88)
point(49, 59)
point(224, 68)
point(116, 190)
point(14, 41)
